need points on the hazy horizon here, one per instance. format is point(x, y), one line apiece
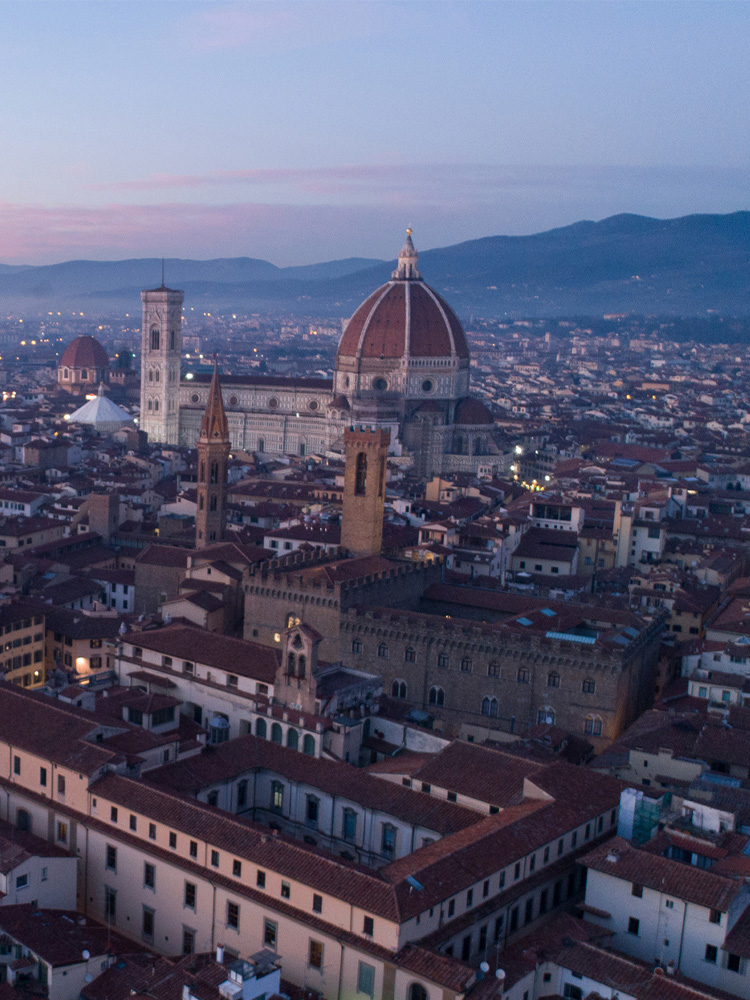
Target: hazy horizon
point(300, 132)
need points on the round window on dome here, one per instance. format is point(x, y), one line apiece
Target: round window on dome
point(273, 402)
point(313, 404)
point(380, 384)
point(195, 398)
point(428, 385)
point(233, 400)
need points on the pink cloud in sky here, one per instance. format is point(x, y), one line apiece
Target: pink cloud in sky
point(334, 212)
point(283, 26)
point(282, 233)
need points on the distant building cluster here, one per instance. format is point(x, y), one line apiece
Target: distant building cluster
point(409, 694)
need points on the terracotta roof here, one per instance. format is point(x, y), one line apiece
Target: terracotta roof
point(248, 659)
point(321, 870)
point(695, 885)
point(17, 845)
point(248, 753)
point(84, 352)
point(472, 411)
point(379, 326)
point(57, 937)
point(50, 729)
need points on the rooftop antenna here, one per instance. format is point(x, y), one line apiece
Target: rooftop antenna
point(162, 273)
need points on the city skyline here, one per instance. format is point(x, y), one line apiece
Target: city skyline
point(305, 132)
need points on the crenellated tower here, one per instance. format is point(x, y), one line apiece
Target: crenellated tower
point(161, 343)
point(213, 455)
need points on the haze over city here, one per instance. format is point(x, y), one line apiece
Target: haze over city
point(300, 132)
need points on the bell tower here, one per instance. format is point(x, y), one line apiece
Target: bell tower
point(213, 454)
point(364, 490)
point(161, 343)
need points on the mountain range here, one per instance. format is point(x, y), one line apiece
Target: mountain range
point(625, 263)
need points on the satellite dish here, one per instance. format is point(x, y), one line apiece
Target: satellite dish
point(485, 966)
point(86, 954)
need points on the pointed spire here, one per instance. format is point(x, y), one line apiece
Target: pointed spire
point(407, 261)
point(215, 426)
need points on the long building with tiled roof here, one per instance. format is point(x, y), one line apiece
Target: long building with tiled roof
point(220, 877)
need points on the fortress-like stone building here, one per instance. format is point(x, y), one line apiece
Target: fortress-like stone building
point(402, 365)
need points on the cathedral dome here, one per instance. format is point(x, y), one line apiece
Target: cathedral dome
point(404, 318)
point(473, 411)
point(85, 352)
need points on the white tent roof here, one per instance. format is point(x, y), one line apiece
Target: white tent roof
point(101, 413)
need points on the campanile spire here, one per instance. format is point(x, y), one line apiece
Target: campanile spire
point(213, 454)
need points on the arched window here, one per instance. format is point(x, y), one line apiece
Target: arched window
point(261, 444)
point(466, 665)
point(156, 404)
point(523, 675)
point(356, 646)
point(417, 992)
point(292, 739)
point(545, 716)
point(202, 472)
point(480, 445)
point(360, 474)
point(443, 660)
point(490, 707)
point(200, 502)
point(493, 669)
point(154, 338)
point(593, 725)
point(553, 680)
point(308, 745)
point(66, 373)
point(383, 651)
point(290, 663)
point(276, 733)
point(150, 375)
point(410, 656)
point(171, 340)
point(460, 446)
point(214, 473)
point(436, 696)
point(150, 405)
point(589, 685)
point(85, 373)
point(302, 448)
point(156, 375)
point(301, 665)
point(260, 728)
point(212, 503)
point(398, 689)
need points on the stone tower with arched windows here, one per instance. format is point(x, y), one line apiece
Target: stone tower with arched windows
point(161, 343)
point(364, 490)
point(213, 454)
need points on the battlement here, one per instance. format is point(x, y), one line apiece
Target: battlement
point(367, 437)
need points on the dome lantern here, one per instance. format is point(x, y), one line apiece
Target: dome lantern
point(407, 261)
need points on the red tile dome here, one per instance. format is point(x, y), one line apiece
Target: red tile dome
point(84, 352)
point(473, 411)
point(404, 318)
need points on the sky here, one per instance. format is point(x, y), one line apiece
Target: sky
point(309, 131)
